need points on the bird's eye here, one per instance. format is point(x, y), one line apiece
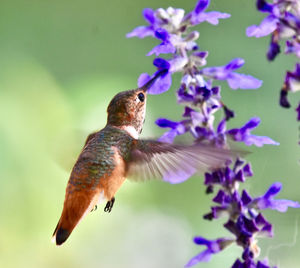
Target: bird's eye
point(141, 97)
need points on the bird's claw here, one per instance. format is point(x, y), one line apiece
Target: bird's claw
point(109, 205)
point(94, 208)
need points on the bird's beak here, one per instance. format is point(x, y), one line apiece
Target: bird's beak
point(148, 84)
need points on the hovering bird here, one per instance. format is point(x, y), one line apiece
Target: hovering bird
point(115, 153)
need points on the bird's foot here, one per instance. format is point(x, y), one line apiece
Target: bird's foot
point(94, 208)
point(109, 205)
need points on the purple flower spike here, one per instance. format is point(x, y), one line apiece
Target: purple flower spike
point(267, 200)
point(282, 22)
point(234, 80)
point(213, 246)
point(243, 134)
point(202, 101)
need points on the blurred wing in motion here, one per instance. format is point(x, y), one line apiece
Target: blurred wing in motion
point(173, 163)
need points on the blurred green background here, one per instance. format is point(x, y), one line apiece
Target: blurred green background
point(60, 64)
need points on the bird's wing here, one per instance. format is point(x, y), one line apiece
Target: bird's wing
point(174, 163)
point(89, 137)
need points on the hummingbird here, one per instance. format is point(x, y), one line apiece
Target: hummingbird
point(115, 153)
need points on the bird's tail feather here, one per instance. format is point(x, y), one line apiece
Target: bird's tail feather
point(76, 206)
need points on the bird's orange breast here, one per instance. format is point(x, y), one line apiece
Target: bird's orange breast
point(110, 184)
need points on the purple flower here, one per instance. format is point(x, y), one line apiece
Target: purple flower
point(228, 113)
point(202, 99)
point(166, 46)
point(293, 47)
point(212, 247)
point(198, 15)
point(263, 6)
point(283, 100)
point(246, 198)
point(267, 26)
point(292, 80)
point(163, 83)
point(234, 80)
point(274, 50)
point(251, 264)
point(176, 128)
point(268, 201)
point(282, 22)
point(291, 83)
point(265, 228)
point(143, 31)
point(243, 134)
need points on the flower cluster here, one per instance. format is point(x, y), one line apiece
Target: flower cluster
point(201, 100)
point(282, 22)
point(244, 213)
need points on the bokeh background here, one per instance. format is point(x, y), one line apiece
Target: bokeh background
point(60, 64)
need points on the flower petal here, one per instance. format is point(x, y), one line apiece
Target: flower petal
point(163, 48)
point(168, 137)
point(143, 79)
point(267, 201)
point(204, 256)
point(164, 123)
point(161, 85)
point(162, 34)
point(243, 81)
point(243, 134)
point(234, 80)
point(149, 16)
point(263, 6)
point(211, 17)
point(201, 6)
point(274, 189)
point(259, 141)
point(267, 26)
point(274, 50)
point(251, 124)
point(161, 63)
point(235, 64)
point(282, 205)
point(141, 32)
